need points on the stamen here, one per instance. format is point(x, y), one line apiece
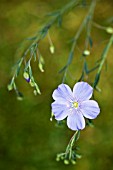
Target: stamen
point(75, 104)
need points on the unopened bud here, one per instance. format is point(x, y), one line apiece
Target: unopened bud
point(78, 156)
point(52, 49)
point(10, 87)
point(19, 98)
point(40, 65)
point(86, 52)
point(32, 84)
point(73, 162)
point(51, 118)
point(35, 92)
point(26, 75)
point(66, 162)
point(37, 89)
point(109, 30)
point(57, 159)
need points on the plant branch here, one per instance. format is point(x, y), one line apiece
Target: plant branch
point(103, 58)
point(77, 35)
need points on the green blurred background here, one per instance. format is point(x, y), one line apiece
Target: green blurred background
point(28, 140)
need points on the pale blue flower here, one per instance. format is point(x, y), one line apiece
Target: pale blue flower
point(74, 105)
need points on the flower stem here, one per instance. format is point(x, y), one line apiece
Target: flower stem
point(70, 145)
point(70, 154)
point(103, 58)
point(41, 35)
point(104, 54)
point(88, 18)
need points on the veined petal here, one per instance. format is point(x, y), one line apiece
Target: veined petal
point(61, 101)
point(82, 91)
point(90, 109)
point(60, 111)
point(75, 120)
point(63, 91)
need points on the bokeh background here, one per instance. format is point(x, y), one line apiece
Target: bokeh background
point(28, 140)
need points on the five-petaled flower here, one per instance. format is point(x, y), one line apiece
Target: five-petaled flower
point(74, 105)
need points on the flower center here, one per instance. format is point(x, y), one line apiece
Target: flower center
point(75, 104)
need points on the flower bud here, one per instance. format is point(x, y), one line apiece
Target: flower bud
point(73, 162)
point(66, 162)
point(109, 30)
point(26, 75)
point(32, 84)
point(37, 89)
point(19, 98)
point(86, 52)
point(10, 87)
point(78, 156)
point(35, 92)
point(57, 159)
point(40, 65)
point(51, 118)
point(52, 49)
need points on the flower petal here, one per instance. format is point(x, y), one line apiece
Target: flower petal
point(75, 120)
point(60, 111)
point(90, 109)
point(82, 91)
point(63, 91)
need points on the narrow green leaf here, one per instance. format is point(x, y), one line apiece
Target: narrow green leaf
point(106, 65)
point(98, 89)
point(86, 67)
point(44, 31)
point(94, 68)
point(27, 66)
point(70, 57)
point(90, 41)
point(53, 13)
point(97, 77)
point(99, 60)
point(30, 72)
point(81, 77)
point(63, 69)
point(89, 123)
point(17, 71)
point(31, 38)
point(59, 21)
point(37, 89)
point(84, 2)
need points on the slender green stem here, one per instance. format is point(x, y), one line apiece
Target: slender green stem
point(104, 54)
point(69, 6)
point(48, 25)
point(70, 145)
point(77, 35)
point(103, 58)
point(99, 26)
point(43, 32)
point(89, 23)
